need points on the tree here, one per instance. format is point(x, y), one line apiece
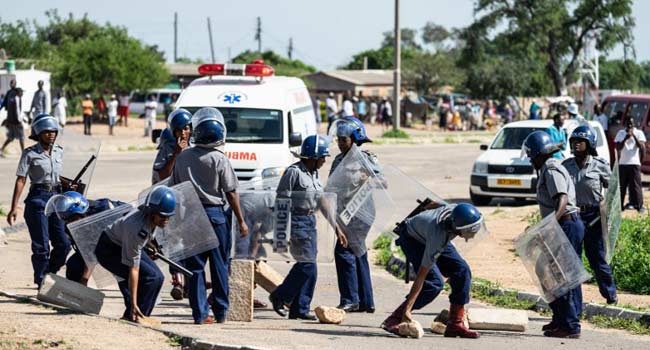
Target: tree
point(620, 74)
point(190, 61)
point(282, 66)
point(19, 40)
point(408, 39)
point(554, 30)
point(435, 35)
point(427, 72)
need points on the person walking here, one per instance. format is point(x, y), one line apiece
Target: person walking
point(61, 109)
point(331, 109)
point(112, 113)
point(601, 117)
point(630, 146)
point(87, 107)
point(123, 108)
point(12, 103)
point(39, 101)
point(372, 112)
point(150, 115)
point(361, 108)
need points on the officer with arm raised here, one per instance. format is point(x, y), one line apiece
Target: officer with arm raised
point(173, 140)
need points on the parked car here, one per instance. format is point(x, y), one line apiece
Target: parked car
point(618, 108)
point(138, 99)
point(501, 172)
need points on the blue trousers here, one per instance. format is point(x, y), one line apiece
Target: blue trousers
point(44, 231)
point(219, 259)
point(567, 308)
point(150, 278)
point(298, 287)
point(449, 264)
point(595, 252)
point(353, 274)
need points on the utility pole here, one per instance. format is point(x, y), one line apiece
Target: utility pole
point(258, 35)
point(211, 43)
point(290, 50)
point(229, 55)
point(365, 62)
point(397, 70)
point(175, 36)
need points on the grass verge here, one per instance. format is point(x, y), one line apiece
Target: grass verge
point(396, 134)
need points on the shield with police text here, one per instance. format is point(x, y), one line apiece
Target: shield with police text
point(364, 205)
point(293, 226)
point(550, 259)
point(79, 159)
point(612, 213)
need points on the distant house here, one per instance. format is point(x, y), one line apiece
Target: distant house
point(370, 82)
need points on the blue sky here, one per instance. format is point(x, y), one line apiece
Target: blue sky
point(325, 34)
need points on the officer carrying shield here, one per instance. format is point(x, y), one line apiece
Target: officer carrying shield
point(119, 251)
point(43, 163)
point(352, 269)
point(301, 179)
point(173, 140)
point(70, 207)
point(425, 240)
point(213, 177)
point(590, 175)
point(556, 195)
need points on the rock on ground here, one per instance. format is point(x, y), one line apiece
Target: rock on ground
point(411, 329)
point(330, 315)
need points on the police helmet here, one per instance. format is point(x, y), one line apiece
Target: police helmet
point(315, 147)
point(178, 119)
point(67, 205)
point(43, 122)
point(353, 128)
point(161, 200)
point(166, 136)
point(466, 219)
point(208, 127)
point(584, 132)
point(539, 143)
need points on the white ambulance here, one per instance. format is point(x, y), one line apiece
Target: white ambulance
point(266, 116)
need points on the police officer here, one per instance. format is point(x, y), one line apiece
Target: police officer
point(353, 272)
point(173, 140)
point(119, 251)
point(208, 168)
point(556, 195)
point(425, 239)
point(299, 181)
point(70, 207)
point(590, 175)
point(43, 163)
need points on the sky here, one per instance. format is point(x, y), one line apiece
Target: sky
point(325, 34)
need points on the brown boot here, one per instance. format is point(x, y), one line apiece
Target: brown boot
point(455, 326)
point(391, 324)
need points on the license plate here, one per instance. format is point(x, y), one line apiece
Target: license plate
point(509, 182)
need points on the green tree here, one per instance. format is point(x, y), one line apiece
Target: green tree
point(381, 58)
point(19, 40)
point(281, 65)
point(426, 72)
point(190, 61)
point(435, 34)
point(620, 74)
point(408, 39)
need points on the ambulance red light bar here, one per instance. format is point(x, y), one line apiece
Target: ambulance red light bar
point(249, 70)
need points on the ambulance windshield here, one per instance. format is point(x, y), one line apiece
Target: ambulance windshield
point(251, 125)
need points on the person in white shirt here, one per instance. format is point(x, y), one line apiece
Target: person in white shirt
point(348, 108)
point(601, 117)
point(630, 145)
point(112, 113)
point(60, 109)
point(331, 109)
point(150, 115)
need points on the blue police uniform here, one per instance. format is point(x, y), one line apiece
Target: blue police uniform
point(425, 241)
point(44, 170)
point(298, 287)
point(589, 182)
point(554, 180)
point(210, 171)
point(166, 150)
point(120, 247)
point(353, 272)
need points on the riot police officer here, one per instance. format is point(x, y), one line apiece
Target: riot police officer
point(120, 247)
point(213, 177)
point(590, 175)
point(352, 267)
point(556, 196)
point(425, 240)
point(300, 183)
point(173, 140)
point(43, 164)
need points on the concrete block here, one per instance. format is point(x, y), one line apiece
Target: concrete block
point(411, 329)
point(498, 319)
point(329, 315)
point(591, 309)
point(72, 295)
point(241, 290)
point(266, 277)
point(633, 315)
point(438, 327)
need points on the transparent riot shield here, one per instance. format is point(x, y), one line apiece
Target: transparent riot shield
point(611, 223)
point(363, 203)
point(295, 226)
point(550, 259)
point(86, 233)
point(266, 184)
point(79, 158)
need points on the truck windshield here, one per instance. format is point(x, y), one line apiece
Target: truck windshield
point(251, 125)
point(512, 138)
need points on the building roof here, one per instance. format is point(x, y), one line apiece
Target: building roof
point(362, 77)
point(186, 69)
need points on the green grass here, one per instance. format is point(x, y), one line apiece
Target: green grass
point(175, 340)
point(137, 148)
point(3, 212)
point(393, 134)
point(641, 327)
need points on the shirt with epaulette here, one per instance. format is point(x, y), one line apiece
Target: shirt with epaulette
point(132, 233)
point(590, 180)
point(210, 172)
point(553, 180)
point(301, 185)
point(427, 228)
point(41, 166)
point(373, 162)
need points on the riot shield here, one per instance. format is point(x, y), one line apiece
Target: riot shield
point(86, 233)
point(550, 259)
point(266, 184)
point(364, 205)
point(79, 158)
point(612, 213)
point(296, 226)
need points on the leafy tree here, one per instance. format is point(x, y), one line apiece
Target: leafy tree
point(282, 66)
point(59, 29)
point(435, 35)
point(620, 74)
point(427, 72)
point(190, 61)
point(408, 39)
point(18, 40)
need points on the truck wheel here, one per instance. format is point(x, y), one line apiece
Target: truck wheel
point(479, 200)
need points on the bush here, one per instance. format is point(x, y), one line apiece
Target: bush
point(396, 134)
point(631, 262)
